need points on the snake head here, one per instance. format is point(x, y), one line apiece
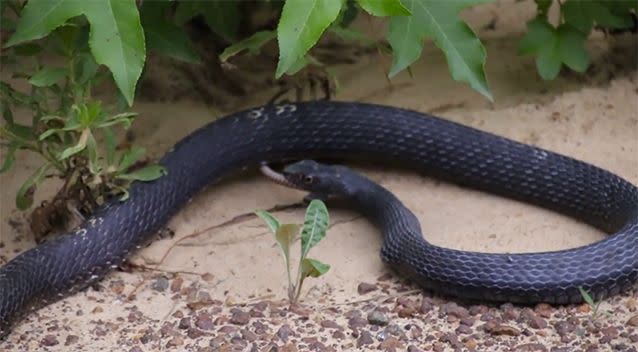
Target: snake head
point(321, 180)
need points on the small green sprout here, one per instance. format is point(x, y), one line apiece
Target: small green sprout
point(313, 230)
point(591, 303)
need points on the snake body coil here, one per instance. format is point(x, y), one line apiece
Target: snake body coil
point(444, 149)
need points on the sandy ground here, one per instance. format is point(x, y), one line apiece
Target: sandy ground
point(233, 268)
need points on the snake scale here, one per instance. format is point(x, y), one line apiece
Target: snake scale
point(361, 132)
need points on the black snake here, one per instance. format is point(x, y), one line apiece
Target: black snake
point(354, 131)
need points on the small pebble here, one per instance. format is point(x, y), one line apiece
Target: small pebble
point(160, 284)
point(364, 339)
point(176, 284)
point(633, 321)
point(365, 287)
point(284, 332)
point(330, 324)
point(175, 342)
point(239, 317)
point(502, 329)
point(71, 339)
point(204, 322)
point(531, 347)
point(49, 340)
point(377, 318)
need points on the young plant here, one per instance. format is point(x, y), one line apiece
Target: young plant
point(591, 303)
point(564, 44)
point(314, 230)
point(66, 121)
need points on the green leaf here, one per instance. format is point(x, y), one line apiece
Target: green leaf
point(269, 219)
point(548, 65)
point(86, 68)
point(110, 143)
point(24, 197)
point(125, 119)
point(10, 156)
point(539, 33)
point(583, 14)
point(222, 17)
point(554, 47)
point(571, 48)
point(117, 41)
point(587, 297)
point(163, 36)
point(285, 235)
point(301, 24)
point(48, 76)
point(253, 44)
point(148, 173)
point(384, 7)
point(315, 226)
point(313, 268)
point(91, 147)
point(130, 157)
point(81, 144)
point(439, 20)
point(40, 17)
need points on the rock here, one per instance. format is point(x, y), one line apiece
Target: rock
point(261, 306)
point(390, 344)
point(364, 339)
point(406, 312)
point(633, 321)
point(531, 347)
point(471, 344)
point(455, 310)
point(468, 321)
point(564, 327)
point(160, 284)
point(175, 342)
point(184, 323)
point(452, 339)
point(176, 284)
point(357, 322)
point(71, 339)
point(544, 310)
point(204, 321)
point(239, 317)
point(609, 333)
point(301, 310)
point(248, 335)
point(533, 320)
point(377, 318)
point(426, 305)
point(284, 332)
point(49, 340)
point(365, 287)
point(339, 335)
point(464, 329)
point(502, 329)
point(330, 324)
point(478, 309)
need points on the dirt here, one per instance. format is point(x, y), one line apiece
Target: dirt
point(223, 288)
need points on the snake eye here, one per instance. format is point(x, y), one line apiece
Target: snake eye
point(307, 179)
